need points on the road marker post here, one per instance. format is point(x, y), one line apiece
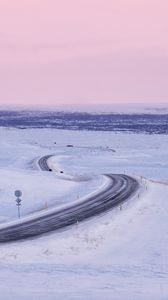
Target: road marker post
point(18, 194)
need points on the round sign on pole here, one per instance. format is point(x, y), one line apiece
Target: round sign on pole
point(18, 193)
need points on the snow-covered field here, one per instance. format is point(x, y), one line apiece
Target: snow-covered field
point(120, 255)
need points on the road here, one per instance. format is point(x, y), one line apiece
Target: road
point(43, 163)
point(120, 188)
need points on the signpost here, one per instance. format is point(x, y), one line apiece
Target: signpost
point(18, 194)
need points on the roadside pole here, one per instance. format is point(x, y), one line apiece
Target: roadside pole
point(18, 194)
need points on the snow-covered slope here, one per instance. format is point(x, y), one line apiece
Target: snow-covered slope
point(120, 255)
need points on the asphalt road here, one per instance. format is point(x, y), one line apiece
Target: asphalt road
point(43, 163)
point(121, 188)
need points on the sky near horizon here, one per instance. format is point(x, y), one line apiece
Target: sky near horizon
point(83, 52)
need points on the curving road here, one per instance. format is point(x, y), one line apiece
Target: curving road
point(43, 163)
point(120, 188)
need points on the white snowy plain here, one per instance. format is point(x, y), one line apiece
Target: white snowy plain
point(119, 255)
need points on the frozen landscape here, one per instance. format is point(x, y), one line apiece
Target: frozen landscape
point(120, 254)
point(83, 150)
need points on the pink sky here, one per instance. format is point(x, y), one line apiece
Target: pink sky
point(83, 51)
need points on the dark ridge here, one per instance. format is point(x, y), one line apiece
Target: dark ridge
point(137, 123)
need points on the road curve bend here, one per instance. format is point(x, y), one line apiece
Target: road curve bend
point(120, 188)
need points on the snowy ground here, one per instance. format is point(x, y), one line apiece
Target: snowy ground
point(120, 255)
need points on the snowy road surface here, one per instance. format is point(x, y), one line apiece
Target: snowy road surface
point(43, 163)
point(120, 188)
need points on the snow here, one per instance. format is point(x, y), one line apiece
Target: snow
point(122, 254)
